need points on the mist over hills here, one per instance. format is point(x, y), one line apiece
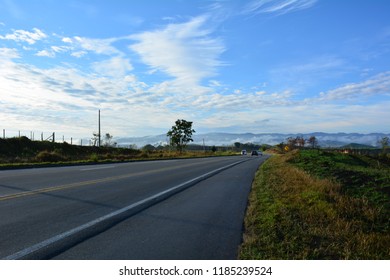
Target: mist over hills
point(228, 139)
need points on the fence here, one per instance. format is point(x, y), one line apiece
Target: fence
point(46, 136)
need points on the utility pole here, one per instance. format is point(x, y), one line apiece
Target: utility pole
point(99, 131)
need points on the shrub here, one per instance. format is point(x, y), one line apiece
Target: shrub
point(46, 156)
point(94, 157)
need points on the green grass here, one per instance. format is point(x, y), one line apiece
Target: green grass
point(299, 210)
point(360, 176)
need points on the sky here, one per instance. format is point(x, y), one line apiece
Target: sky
point(258, 66)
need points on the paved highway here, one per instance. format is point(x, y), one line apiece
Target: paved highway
point(171, 209)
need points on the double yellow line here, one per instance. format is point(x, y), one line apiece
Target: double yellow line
point(90, 182)
point(63, 187)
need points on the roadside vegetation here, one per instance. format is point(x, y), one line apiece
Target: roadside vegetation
point(20, 152)
point(313, 204)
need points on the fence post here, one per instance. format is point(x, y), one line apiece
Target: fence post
point(3, 133)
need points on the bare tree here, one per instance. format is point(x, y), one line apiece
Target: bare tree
point(300, 141)
point(108, 140)
point(95, 139)
point(313, 142)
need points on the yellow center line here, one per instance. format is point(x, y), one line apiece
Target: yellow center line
point(90, 182)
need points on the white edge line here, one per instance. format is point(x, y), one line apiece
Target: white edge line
point(27, 251)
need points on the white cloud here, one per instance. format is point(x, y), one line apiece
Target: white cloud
point(80, 46)
point(99, 46)
point(376, 85)
point(67, 40)
point(184, 51)
point(45, 53)
point(25, 36)
point(8, 54)
point(60, 49)
point(78, 54)
point(277, 6)
point(114, 67)
point(67, 99)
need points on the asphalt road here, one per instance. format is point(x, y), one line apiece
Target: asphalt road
point(126, 211)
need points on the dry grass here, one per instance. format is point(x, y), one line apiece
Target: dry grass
point(292, 215)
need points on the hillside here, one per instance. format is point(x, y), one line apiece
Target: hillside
point(319, 205)
point(23, 150)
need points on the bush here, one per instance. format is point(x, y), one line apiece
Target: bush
point(46, 156)
point(94, 157)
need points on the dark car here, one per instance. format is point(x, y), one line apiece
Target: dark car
point(254, 153)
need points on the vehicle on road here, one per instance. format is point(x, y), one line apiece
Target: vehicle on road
point(254, 153)
point(243, 152)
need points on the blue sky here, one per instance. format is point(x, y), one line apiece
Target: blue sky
point(260, 66)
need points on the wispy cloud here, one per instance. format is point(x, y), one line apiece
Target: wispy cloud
point(376, 85)
point(45, 53)
point(98, 46)
point(7, 54)
point(277, 6)
point(25, 36)
point(185, 51)
point(309, 72)
point(114, 67)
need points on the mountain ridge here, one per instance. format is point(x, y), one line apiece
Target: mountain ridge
point(227, 139)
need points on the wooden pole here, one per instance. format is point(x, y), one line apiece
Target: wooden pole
point(99, 130)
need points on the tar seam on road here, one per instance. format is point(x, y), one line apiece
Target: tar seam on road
point(60, 242)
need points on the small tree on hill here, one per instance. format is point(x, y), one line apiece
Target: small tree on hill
point(180, 134)
point(313, 142)
point(108, 140)
point(384, 142)
point(95, 139)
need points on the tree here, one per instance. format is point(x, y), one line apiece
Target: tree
point(180, 134)
point(313, 142)
point(384, 142)
point(108, 140)
point(300, 141)
point(291, 143)
point(95, 139)
point(148, 148)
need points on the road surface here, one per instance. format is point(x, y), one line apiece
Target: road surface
point(170, 209)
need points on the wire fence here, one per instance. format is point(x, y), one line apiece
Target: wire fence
point(46, 136)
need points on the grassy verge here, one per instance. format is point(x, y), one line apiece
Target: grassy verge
point(295, 214)
point(50, 159)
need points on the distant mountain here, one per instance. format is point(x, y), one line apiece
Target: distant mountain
point(228, 139)
point(356, 146)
